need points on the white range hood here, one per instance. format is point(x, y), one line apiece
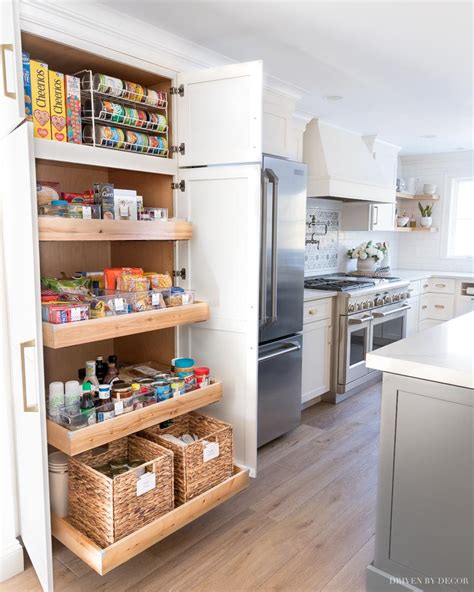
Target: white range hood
point(345, 165)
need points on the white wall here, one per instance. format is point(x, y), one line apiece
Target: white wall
point(348, 240)
point(426, 251)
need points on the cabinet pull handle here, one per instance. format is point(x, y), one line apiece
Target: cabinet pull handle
point(439, 305)
point(425, 285)
point(312, 311)
point(23, 346)
point(440, 285)
point(6, 47)
point(411, 289)
point(424, 306)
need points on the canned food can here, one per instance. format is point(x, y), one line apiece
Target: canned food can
point(162, 390)
point(108, 85)
point(152, 97)
point(177, 386)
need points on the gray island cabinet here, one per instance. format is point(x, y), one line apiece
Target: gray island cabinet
point(424, 536)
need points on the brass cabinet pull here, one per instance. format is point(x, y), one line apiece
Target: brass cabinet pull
point(313, 311)
point(26, 408)
point(440, 285)
point(439, 305)
point(6, 47)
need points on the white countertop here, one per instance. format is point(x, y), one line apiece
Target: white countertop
point(318, 294)
point(444, 354)
point(420, 274)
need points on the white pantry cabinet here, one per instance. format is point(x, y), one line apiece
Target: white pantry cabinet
point(316, 369)
point(365, 216)
point(413, 316)
point(222, 203)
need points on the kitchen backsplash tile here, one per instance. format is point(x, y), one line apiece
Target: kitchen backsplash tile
point(321, 248)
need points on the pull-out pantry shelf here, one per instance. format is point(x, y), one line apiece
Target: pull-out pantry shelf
point(75, 442)
point(104, 560)
point(57, 336)
point(53, 228)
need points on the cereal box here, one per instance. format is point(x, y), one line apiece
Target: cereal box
point(27, 84)
point(73, 109)
point(57, 106)
point(40, 99)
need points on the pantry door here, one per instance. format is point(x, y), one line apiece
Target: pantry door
point(222, 265)
point(20, 248)
point(11, 76)
point(219, 115)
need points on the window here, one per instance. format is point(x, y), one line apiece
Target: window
point(461, 219)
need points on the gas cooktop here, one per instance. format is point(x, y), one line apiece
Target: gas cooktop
point(344, 282)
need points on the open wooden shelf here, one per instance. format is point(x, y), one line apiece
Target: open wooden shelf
point(52, 228)
point(57, 336)
point(421, 197)
point(103, 157)
point(75, 442)
point(417, 229)
point(104, 560)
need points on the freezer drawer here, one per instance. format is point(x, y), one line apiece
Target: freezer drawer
point(279, 388)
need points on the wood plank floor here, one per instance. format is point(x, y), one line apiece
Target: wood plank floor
point(306, 524)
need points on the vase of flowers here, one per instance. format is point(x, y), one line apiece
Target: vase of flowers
point(368, 256)
point(426, 220)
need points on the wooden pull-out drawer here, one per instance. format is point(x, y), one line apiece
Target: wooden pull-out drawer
point(315, 310)
point(438, 285)
point(436, 306)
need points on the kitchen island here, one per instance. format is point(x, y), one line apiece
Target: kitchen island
point(425, 516)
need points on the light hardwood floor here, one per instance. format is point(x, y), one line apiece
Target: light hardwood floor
point(306, 524)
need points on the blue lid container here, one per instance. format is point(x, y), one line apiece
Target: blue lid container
point(183, 363)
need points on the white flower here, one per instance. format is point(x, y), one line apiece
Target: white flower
point(363, 255)
point(371, 251)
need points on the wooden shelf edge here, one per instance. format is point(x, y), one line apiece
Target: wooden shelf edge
point(103, 157)
point(418, 197)
point(75, 442)
point(418, 229)
point(70, 229)
point(67, 334)
point(105, 560)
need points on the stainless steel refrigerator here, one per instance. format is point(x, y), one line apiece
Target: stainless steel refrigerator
point(283, 215)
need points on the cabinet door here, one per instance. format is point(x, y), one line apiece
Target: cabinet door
point(222, 265)
point(382, 217)
point(316, 359)
point(20, 239)
point(12, 96)
point(220, 115)
point(412, 316)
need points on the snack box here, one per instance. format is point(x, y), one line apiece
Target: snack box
point(104, 196)
point(27, 84)
point(40, 99)
point(64, 312)
point(111, 274)
point(73, 109)
point(154, 214)
point(57, 106)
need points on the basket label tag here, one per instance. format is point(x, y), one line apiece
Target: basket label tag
point(75, 314)
point(210, 450)
point(119, 304)
point(145, 483)
point(155, 298)
point(118, 407)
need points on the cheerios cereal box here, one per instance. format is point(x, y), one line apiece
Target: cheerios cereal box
point(40, 99)
point(57, 106)
point(73, 109)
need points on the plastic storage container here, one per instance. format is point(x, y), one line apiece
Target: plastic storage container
point(58, 467)
point(58, 313)
point(179, 297)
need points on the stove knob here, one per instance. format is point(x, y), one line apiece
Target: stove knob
point(359, 306)
point(387, 299)
point(352, 307)
point(366, 304)
point(370, 303)
point(378, 300)
point(396, 297)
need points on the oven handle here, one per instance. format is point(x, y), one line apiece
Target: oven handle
point(361, 321)
point(391, 312)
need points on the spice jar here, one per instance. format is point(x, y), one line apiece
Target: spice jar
point(177, 386)
point(162, 390)
point(202, 376)
point(122, 397)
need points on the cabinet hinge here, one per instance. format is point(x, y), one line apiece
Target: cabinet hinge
point(181, 185)
point(180, 273)
point(181, 149)
point(177, 90)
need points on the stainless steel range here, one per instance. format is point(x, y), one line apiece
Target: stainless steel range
point(370, 313)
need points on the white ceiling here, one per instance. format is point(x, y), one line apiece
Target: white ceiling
point(404, 68)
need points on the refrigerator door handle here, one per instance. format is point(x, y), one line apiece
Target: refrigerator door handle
point(274, 271)
point(263, 253)
point(280, 352)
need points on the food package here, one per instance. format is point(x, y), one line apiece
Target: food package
point(130, 282)
point(73, 109)
point(67, 285)
point(27, 84)
point(57, 104)
point(125, 204)
point(159, 280)
point(111, 274)
point(40, 100)
point(46, 192)
point(104, 196)
point(64, 312)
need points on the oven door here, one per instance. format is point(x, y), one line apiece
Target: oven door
point(354, 345)
point(389, 325)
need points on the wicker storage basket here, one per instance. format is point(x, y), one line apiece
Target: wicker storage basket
point(107, 509)
point(192, 473)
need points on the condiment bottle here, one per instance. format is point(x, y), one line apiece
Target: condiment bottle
point(104, 394)
point(86, 401)
point(91, 377)
point(412, 222)
point(112, 371)
point(100, 369)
